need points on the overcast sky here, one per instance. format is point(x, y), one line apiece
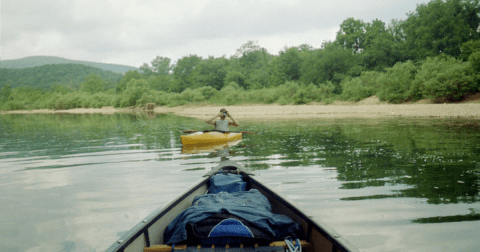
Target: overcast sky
point(133, 32)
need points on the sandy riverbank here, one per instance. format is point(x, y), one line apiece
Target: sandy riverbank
point(368, 108)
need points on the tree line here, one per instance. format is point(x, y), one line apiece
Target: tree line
point(434, 53)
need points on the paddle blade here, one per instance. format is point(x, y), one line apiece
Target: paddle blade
point(189, 131)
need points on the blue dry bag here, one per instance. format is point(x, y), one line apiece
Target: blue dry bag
point(227, 183)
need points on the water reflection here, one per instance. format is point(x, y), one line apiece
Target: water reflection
point(474, 215)
point(434, 160)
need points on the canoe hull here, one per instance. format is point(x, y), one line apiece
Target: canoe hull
point(150, 231)
point(211, 137)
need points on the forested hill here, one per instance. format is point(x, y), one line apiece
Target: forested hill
point(69, 75)
point(47, 60)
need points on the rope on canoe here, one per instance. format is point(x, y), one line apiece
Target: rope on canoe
point(293, 248)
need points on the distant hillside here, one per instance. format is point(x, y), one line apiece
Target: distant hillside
point(43, 77)
point(47, 60)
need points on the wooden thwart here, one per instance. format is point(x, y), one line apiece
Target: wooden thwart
point(164, 248)
point(304, 244)
point(167, 248)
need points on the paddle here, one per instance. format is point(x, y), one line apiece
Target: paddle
point(243, 132)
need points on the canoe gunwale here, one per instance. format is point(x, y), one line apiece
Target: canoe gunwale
point(146, 223)
point(339, 243)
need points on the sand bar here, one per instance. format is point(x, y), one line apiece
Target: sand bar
point(292, 112)
point(368, 108)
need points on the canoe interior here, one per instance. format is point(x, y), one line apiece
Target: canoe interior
point(322, 237)
point(150, 231)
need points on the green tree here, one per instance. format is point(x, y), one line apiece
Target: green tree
point(441, 27)
point(134, 91)
point(161, 65)
point(305, 48)
point(59, 88)
point(474, 59)
point(445, 79)
point(182, 72)
point(277, 75)
point(381, 48)
point(395, 28)
point(351, 34)
point(286, 67)
point(207, 92)
point(331, 63)
point(210, 72)
point(93, 84)
point(249, 47)
point(395, 85)
point(236, 76)
point(253, 62)
point(360, 87)
point(468, 48)
point(129, 75)
point(258, 78)
point(5, 92)
point(146, 69)
point(255, 59)
point(160, 82)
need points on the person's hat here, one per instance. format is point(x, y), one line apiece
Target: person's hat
point(223, 110)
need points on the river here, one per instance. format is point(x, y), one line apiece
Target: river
point(79, 182)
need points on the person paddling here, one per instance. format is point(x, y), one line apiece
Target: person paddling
point(223, 123)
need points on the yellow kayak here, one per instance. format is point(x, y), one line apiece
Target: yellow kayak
point(207, 148)
point(210, 137)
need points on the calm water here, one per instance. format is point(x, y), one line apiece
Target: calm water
point(78, 182)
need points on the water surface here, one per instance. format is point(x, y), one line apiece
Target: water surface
point(79, 182)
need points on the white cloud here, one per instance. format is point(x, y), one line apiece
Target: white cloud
point(135, 32)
